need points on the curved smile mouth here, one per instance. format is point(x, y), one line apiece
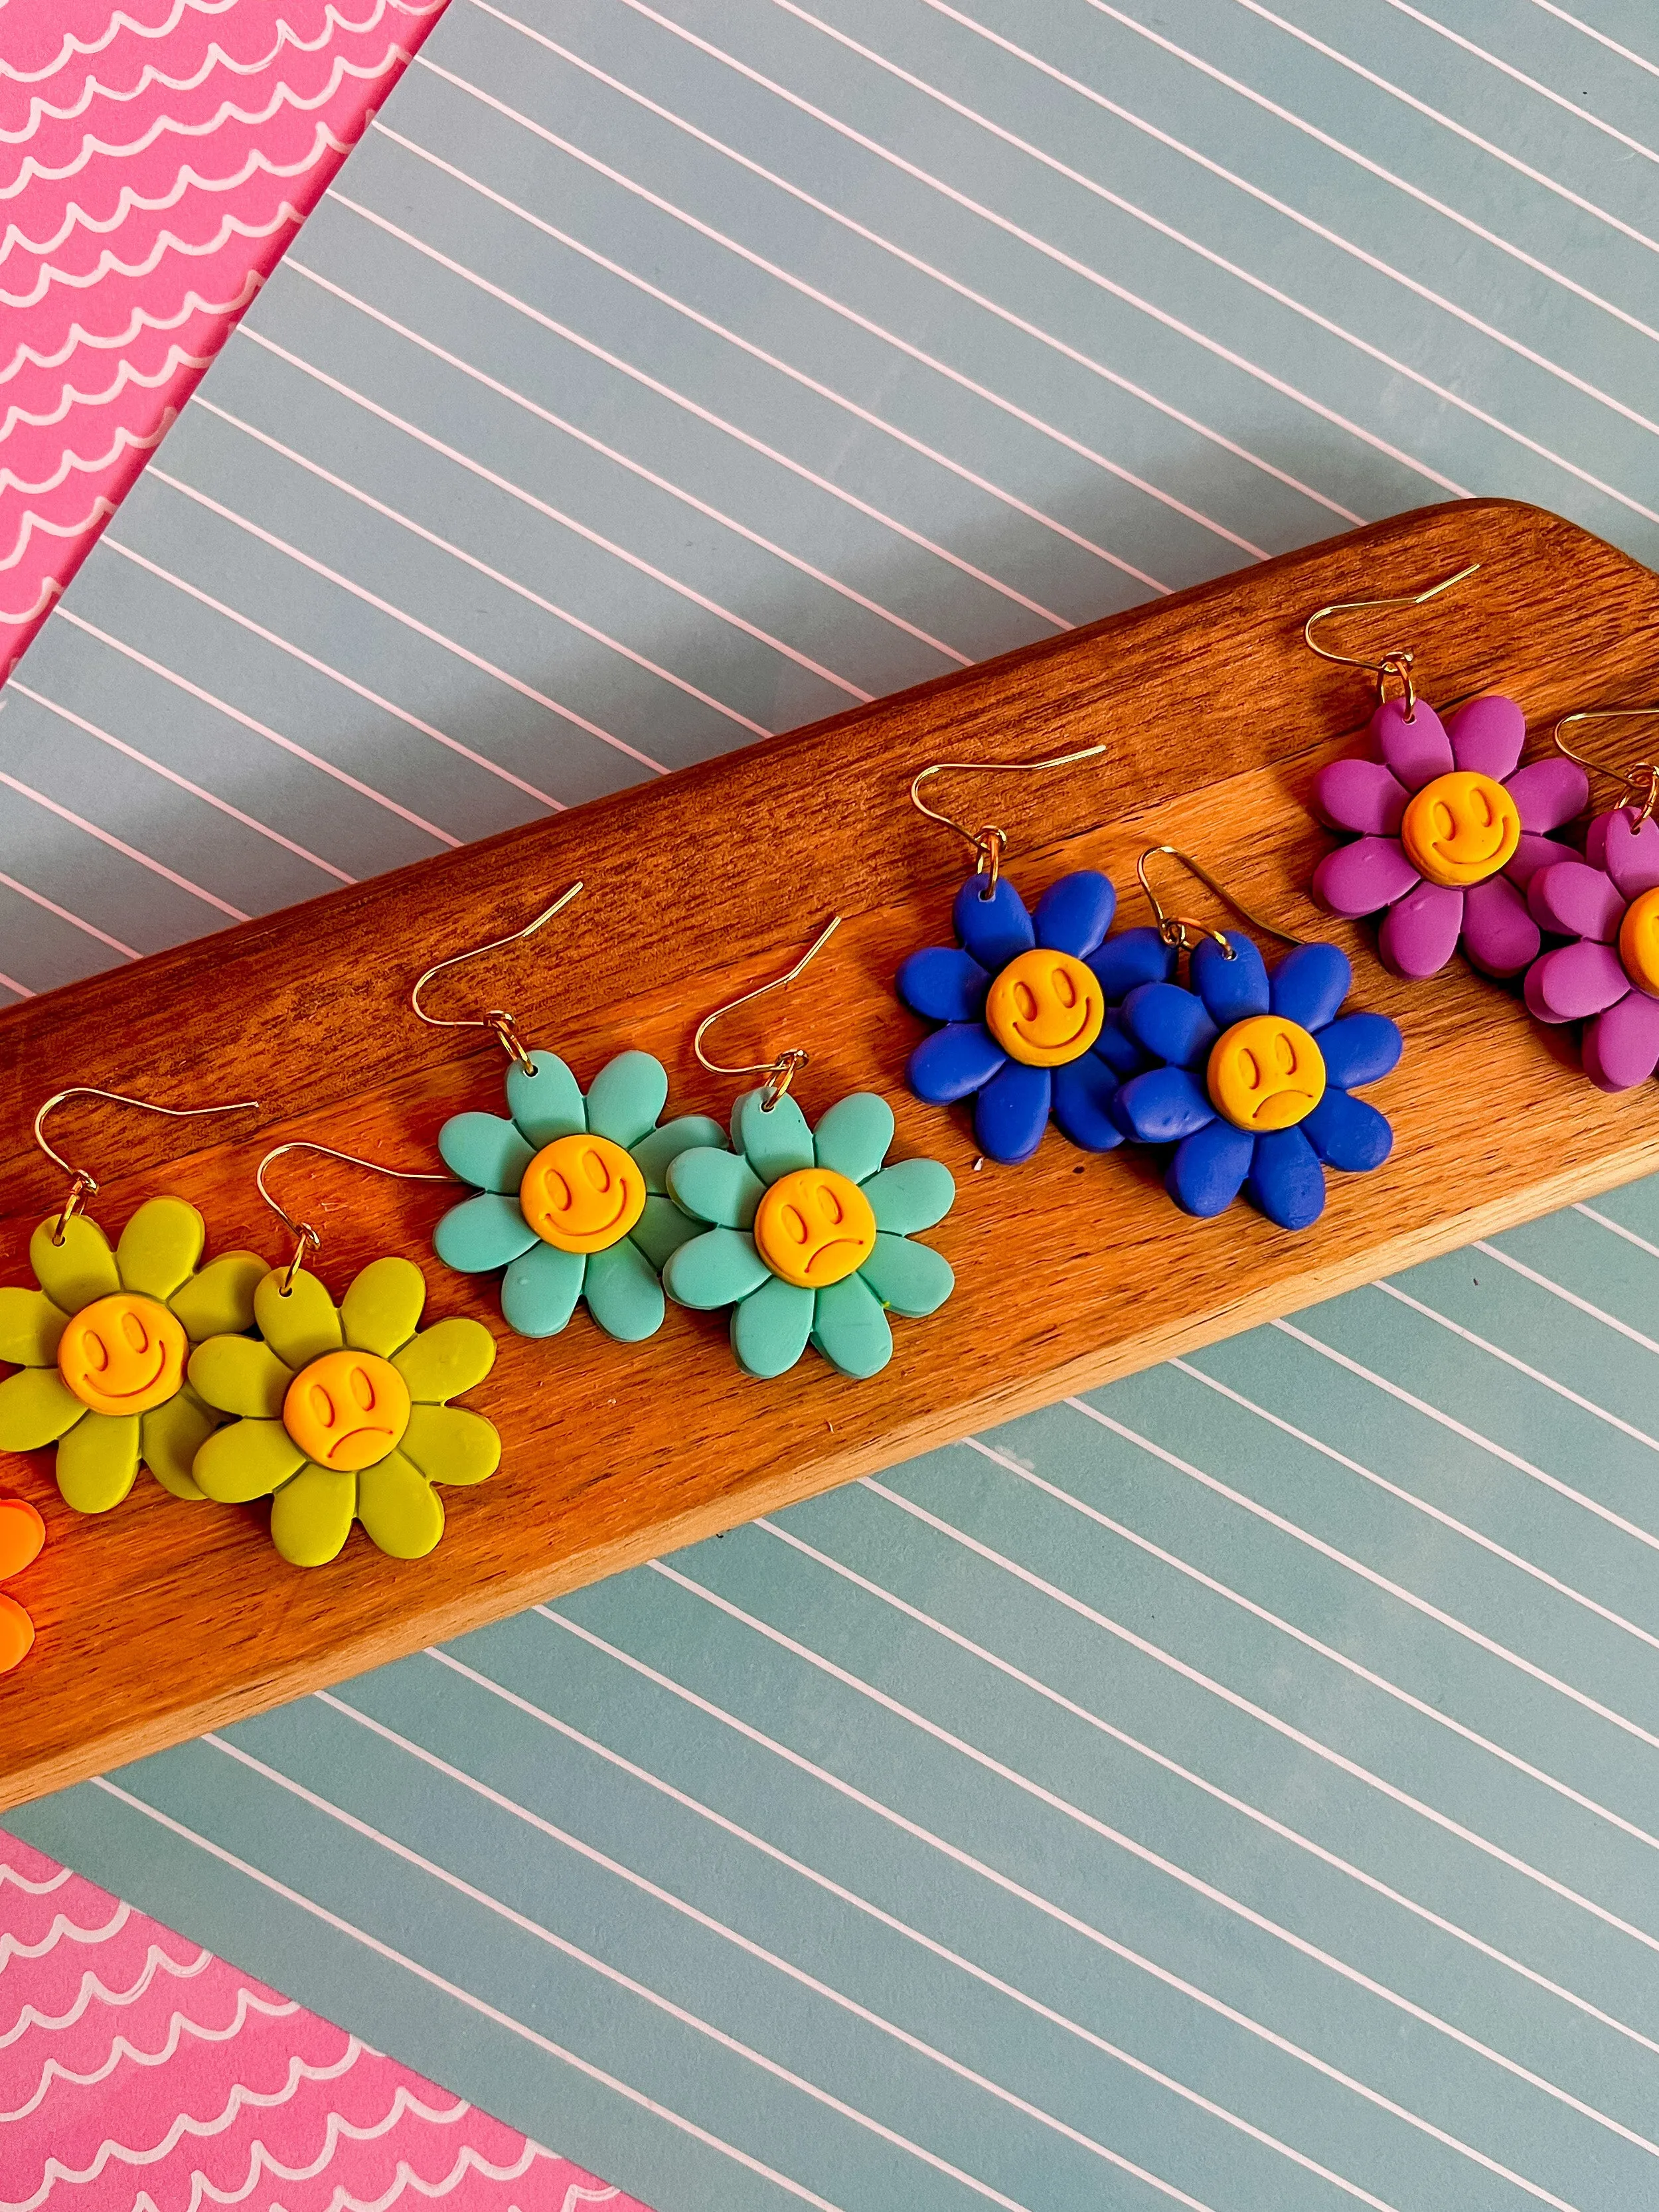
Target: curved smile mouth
point(598, 1228)
point(823, 1249)
point(368, 1428)
point(1054, 1044)
point(1465, 859)
point(1307, 1094)
point(138, 1389)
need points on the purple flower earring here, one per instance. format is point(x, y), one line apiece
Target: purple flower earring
point(1451, 829)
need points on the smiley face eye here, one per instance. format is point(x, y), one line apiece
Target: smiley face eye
point(830, 1207)
point(322, 1407)
point(792, 1222)
point(1249, 1071)
point(363, 1388)
point(1444, 823)
point(1025, 1000)
point(559, 1196)
point(596, 1172)
point(97, 1352)
point(1065, 990)
point(1481, 807)
point(133, 1329)
point(1284, 1054)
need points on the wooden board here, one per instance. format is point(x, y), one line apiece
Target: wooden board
point(161, 1620)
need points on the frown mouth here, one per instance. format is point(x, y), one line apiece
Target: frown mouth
point(368, 1428)
point(1277, 1095)
point(834, 1241)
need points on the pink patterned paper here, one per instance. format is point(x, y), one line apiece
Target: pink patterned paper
point(156, 161)
point(141, 2073)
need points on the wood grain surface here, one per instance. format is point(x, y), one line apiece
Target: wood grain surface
point(161, 1619)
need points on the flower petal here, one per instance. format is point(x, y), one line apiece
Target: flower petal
point(1309, 984)
point(1209, 1168)
point(1163, 1106)
point(913, 1280)
point(1487, 734)
point(626, 1097)
point(1348, 1133)
point(662, 1229)
point(98, 1462)
point(954, 1062)
point(300, 1325)
point(1577, 900)
point(943, 984)
point(1118, 1048)
point(1631, 856)
point(623, 1293)
point(219, 1302)
point(1532, 853)
point(1012, 1112)
point(720, 1187)
point(1621, 1046)
point(481, 1233)
point(237, 1375)
point(770, 1326)
point(1133, 957)
point(852, 1137)
point(774, 1139)
point(1499, 936)
point(1576, 981)
point(1169, 1023)
point(1286, 1180)
point(539, 1291)
point(547, 1104)
point(22, 1534)
point(1361, 877)
point(850, 1328)
point(1084, 1092)
point(382, 1304)
point(485, 1150)
point(30, 1327)
point(1360, 1048)
point(36, 1407)
point(1549, 792)
point(450, 1356)
point(1416, 749)
point(993, 925)
point(402, 1514)
point(246, 1459)
point(1234, 990)
point(1075, 912)
point(654, 1155)
point(449, 1444)
point(311, 1516)
point(159, 1247)
point(170, 1436)
point(1359, 794)
point(911, 1195)
point(716, 1269)
point(77, 1271)
point(1419, 932)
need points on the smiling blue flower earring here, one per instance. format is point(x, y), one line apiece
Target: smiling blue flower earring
point(571, 1192)
point(1026, 998)
point(1249, 1074)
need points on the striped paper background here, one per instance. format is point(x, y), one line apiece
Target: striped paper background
point(1237, 1790)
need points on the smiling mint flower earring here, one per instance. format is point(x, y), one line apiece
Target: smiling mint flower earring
point(571, 1196)
point(100, 1346)
point(1250, 1073)
point(1451, 829)
point(1026, 997)
point(803, 1232)
point(342, 1413)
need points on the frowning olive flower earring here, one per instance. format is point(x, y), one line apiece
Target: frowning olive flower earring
point(571, 1196)
point(100, 1347)
point(803, 1232)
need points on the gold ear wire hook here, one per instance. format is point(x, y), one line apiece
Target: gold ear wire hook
point(306, 1239)
point(989, 843)
point(780, 1072)
point(1640, 780)
point(1395, 663)
point(1177, 929)
point(497, 1020)
point(83, 1184)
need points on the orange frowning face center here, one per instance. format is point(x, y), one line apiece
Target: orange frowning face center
point(814, 1228)
point(1266, 1073)
point(1461, 829)
point(123, 1354)
point(1638, 942)
point(582, 1193)
point(347, 1410)
point(1045, 1008)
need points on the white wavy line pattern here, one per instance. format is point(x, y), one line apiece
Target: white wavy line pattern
point(9, 1874)
point(156, 1962)
point(120, 23)
point(110, 265)
point(125, 376)
point(180, 2024)
point(140, 319)
point(63, 1930)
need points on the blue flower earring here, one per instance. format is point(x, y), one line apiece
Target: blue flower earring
point(1027, 998)
point(1248, 1075)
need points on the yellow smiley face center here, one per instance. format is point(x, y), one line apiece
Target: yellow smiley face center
point(1045, 1008)
point(347, 1410)
point(582, 1193)
point(1266, 1073)
point(814, 1227)
point(1638, 942)
point(123, 1354)
point(1461, 829)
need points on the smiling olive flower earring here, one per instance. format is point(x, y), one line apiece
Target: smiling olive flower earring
point(803, 1232)
point(571, 1200)
point(1248, 1074)
point(342, 1413)
point(1451, 829)
point(101, 1345)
